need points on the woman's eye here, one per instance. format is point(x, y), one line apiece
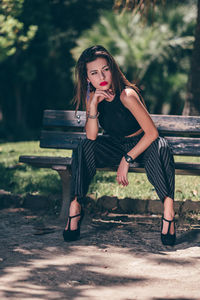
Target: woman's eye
point(106, 69)
point(93, 73)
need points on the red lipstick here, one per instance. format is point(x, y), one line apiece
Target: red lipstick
point(103, 83)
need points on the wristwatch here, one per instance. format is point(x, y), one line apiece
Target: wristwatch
point(128, 158)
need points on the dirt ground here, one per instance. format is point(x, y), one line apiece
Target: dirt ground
point(118, 257)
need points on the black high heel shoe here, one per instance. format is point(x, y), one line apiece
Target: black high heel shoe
point(168, 239)
point(73, 235)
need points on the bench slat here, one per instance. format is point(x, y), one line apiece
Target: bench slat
point(67, 140)
point(165, 123)
point(45, 161)
point(53, 162)
point(177, 124)
point(64, 118)
point(60, 139)
point(185, 146)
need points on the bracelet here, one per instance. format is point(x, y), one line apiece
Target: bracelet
point(93, 116)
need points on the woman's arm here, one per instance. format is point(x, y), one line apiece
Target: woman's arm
point(92, 125)
point(132, 102)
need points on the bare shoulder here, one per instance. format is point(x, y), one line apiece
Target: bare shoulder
point(128, 96)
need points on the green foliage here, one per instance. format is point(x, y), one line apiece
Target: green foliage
point(13, 36)
point(35, 59)
point(156, 56)
point(35, 71)
point(11, 7)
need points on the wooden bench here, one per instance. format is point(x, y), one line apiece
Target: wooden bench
point(64, 130)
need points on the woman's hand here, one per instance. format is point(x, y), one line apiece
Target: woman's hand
point(91, 125)
point(100, 95)
point(122, 172)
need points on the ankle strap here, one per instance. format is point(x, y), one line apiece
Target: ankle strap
point(169, 221)
point(70, 217)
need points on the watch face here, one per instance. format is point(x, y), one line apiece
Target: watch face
point(128, 159)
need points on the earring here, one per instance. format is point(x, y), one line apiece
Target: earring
point(88, 91)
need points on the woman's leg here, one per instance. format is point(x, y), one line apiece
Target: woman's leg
point(75, 209)
point(169, 215)
point(159, 166)
point(91, 154)
point(104, 151)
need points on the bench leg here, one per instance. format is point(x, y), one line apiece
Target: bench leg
point(65, 179)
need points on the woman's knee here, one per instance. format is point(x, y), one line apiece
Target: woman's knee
point(86, 142)
point(163, 145)
point(87, 147)
point(156, 149)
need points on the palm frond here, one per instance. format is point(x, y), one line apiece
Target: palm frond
point(142, 6)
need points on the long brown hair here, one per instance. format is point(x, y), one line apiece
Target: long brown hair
point(119, 81)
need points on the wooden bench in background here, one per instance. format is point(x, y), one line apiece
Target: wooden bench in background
point(64, 130)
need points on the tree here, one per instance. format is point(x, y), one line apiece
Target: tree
point(192, 103)
point(38, 76)
point(13, 36)
point(15, 39)
point(155, 57)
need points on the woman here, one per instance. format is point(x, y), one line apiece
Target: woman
point(114, 103)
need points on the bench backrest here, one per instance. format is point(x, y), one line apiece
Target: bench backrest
point(63, 130)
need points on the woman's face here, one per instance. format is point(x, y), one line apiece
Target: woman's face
point(99, 73)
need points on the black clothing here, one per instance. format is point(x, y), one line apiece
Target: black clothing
point(108, 151)
point(116, 119)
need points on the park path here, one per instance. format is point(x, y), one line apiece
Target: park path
point(118, 257)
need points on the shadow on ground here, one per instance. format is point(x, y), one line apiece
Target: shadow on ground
point(117, 257)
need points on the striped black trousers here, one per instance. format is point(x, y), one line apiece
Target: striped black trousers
point(108, 151)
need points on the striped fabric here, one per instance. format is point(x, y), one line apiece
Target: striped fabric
point(108, 151)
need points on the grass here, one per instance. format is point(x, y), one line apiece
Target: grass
point(21, 179)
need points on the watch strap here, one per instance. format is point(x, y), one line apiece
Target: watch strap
point(128, 158)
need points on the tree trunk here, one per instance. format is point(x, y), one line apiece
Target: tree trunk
point(192, 104)
point(19, 109)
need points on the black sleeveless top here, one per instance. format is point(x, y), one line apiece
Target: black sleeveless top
point(116, 119)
